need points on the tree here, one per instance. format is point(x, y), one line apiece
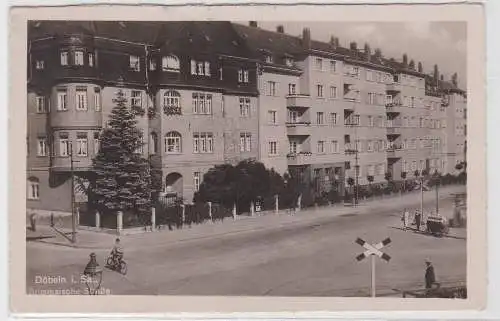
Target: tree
point(412, 64)
point(368, 51)
point(420, 67)
point(350, 182)
point(370, 179)
point(405, 60)
point(353, 46)
point(122, 179)
point(241, 184)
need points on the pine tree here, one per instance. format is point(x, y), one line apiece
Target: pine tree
point(122, 179)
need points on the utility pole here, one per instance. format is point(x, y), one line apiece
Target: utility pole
point(73, 218)
point(356, 169)
point(421, 194)
point(438, 181)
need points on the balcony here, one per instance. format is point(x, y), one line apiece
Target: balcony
point(393, 107)
point(394, 152)
point(298, 101)
point(301, 158)
point(393, 88)
point(298, 128)
point(393, 130)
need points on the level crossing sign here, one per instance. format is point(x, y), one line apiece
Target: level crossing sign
point(372, 250)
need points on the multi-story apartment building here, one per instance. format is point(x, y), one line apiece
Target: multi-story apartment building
point(206, 93)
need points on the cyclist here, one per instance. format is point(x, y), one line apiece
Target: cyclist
point(117, 252)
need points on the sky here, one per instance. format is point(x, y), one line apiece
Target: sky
point(443, 43)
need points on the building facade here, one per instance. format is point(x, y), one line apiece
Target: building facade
point(206, 93)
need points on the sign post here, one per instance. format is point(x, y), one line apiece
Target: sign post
point(372, 250)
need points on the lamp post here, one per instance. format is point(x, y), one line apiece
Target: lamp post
point(356, 169)
point(437, 181)
point(73, 218)
point(93, 275)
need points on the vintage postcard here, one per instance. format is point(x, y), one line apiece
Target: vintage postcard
point(247, 158)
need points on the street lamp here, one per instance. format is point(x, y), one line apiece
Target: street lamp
point(356, 167)
point(437, 180)
point(93, 275)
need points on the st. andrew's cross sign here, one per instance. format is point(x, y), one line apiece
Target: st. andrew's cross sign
point(373, 250)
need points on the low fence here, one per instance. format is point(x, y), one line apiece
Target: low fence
point(172, 214)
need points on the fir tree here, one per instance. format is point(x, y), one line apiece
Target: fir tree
point(122, 179)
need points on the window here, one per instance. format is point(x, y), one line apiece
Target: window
point(97, 99)
point(271, 88)
point(371, 170)
point(333, 66)
point(64, 147)
point(272, 114)
point(289, 62)
point(371, 98)
point(134, 63)
point(33, 188)
point(173, 143)
point(245, 142)
point(245, 107)
point(200, 68)
point(291, 89)
point(64, 58)
point(293, 116)
point(140, 148)
point(370, 121)
point(321, 147)
point(319, 64)
point(62, 100)
point(269, 59)
point(81, 144)
point(203, 143)
point(78, 57)
point(91, 59)
point(39, 64)
point(243, 76)
point(319, 91)
point(152, 64)
point(333, 92)
point(294, 147)
point(273, 148)
point(335, 146)
point(135, 99)
point(170, 63)
point(202, 104)
point(97, 143)
point(171, 99)
point(333, 119)
point(380, 169)
point(81, 99)
point(40, 104)
point(220, 73)
point(370, 146)
point(41, 146)
point(320, 118)
point(196, 181)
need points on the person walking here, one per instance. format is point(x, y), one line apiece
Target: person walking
point(418, 218)
point(430, 277)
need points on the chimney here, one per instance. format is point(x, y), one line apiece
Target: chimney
point(306, 38)
point(253, 24)
point(280, 29)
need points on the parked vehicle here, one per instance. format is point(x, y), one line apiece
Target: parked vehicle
point(114, 264)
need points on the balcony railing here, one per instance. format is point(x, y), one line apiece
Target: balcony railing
point(300, 158)
point(351, 123)
point(298, 128)
point(298, 101)
point(298, 123)
point(394, 87)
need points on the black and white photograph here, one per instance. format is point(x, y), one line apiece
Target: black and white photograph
point(234, 158)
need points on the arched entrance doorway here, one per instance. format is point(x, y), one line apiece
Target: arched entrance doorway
point(173, 184)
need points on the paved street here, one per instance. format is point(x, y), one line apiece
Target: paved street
point(307, 256)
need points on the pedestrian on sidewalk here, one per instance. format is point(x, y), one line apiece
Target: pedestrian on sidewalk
point(430, 277)
point(418, 218)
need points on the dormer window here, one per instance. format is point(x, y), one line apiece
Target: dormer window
point(64, 58)
point(40, 64)
point(289, 61)
point(243, 76)
point(134, 63)
point(91, 59)
point(200, 68)
point(152, 64)
point(78, 58)
point(269, 59)
point(171, 63)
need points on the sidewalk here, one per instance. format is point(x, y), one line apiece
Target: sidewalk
point(242, 224)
